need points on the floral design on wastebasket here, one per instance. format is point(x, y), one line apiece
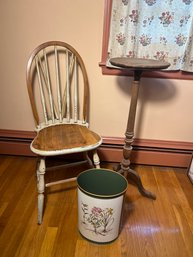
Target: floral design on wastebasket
point(100, 220)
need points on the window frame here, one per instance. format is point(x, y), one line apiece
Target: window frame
point(121, 72)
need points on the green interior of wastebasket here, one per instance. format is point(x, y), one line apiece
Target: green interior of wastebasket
point(102, 183)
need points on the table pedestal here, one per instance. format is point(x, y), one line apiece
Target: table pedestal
point(124, 166)
point(138, 66)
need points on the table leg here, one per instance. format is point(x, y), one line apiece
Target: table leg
point(124, 166)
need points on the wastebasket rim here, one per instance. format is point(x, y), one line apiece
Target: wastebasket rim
point(100, 195)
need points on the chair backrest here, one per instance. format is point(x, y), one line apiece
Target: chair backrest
point(57, 84)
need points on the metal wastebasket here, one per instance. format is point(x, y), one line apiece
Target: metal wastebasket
point(100, 200)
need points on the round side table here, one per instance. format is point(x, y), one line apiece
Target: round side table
point(137, 65)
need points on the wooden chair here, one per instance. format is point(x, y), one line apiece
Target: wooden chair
point(59, 94)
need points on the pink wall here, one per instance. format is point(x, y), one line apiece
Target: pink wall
point(165, 106)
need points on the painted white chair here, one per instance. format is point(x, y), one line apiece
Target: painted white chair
point(59, 94)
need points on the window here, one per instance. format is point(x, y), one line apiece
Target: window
point(107, 20)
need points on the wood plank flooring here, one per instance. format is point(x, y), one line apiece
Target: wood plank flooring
point(160, 228)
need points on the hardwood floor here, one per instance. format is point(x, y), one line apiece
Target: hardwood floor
point(160, 228)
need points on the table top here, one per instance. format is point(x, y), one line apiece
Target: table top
point(139, 63)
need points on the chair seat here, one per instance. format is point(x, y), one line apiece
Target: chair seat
point(75, 138)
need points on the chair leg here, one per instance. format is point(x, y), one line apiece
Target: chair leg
point(88, 159)
point(41, 188)
point(96, 159)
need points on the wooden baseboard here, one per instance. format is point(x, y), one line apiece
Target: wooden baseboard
point(16, 142)
point(145, 151)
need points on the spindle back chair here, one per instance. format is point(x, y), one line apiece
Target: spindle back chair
point(58, 89)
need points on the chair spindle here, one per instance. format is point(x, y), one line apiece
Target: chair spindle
point(67, 88)
point(48, 86)
point(75, 91)
point(58, 84)
point(42, 96)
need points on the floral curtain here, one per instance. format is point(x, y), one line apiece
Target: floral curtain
point(154, 29)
